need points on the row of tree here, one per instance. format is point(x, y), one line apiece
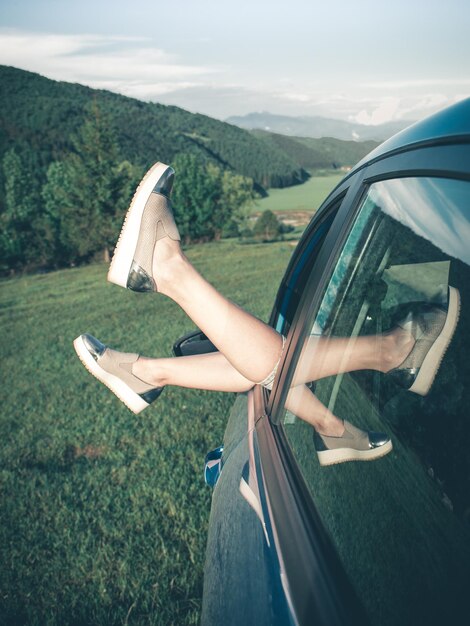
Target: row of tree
point(76, 213)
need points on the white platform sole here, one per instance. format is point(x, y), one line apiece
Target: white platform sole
point(131, 399)
point(124, 252)
point(331, 457)
point(432, 361)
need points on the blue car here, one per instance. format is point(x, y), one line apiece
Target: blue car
point(384, 542)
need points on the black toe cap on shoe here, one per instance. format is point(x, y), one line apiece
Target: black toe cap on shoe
point(377, 440)
point(165, 182)
point(94, 346)
point(153, 394)
point(403, 377)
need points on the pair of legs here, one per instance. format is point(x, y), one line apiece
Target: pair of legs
point(249, 349)
point(148, 257)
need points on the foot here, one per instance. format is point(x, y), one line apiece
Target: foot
point(432, 328)
point(353, 445)
point(115, 370)
point(148, 220)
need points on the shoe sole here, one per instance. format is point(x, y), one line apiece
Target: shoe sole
point(127, 242)
point(331, 457)
point(432, 360)
point(130, 398)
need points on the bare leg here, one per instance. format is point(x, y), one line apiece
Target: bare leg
point(213, 372)
point(249, 344)
point(323, 357)
point(303, 403)
point(201, 371)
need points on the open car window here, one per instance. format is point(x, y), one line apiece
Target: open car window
point(406, 255)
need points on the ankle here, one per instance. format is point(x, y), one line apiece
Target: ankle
point(149, 371)
point(386, 356)
point(169, 269)
point(395, 348)
point(330, 427)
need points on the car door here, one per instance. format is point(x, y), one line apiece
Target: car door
point(386, 541)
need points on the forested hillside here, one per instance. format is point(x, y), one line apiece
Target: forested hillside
point(312, 154)
point(42, 115)
point(71, 156)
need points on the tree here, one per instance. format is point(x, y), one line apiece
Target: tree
point(267, 227)
point(238, 193)
point(87, 193)
point(195, 196)
point(22, 225)
point(206, 198)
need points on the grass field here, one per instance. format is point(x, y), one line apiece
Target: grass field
point(104, 513)
point(306, 197)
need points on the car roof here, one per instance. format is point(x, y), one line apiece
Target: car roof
point(452, 123)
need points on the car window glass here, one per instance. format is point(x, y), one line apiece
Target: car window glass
point(294, 283)
point(401, 522)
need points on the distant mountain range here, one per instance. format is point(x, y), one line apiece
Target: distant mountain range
point(317, 126)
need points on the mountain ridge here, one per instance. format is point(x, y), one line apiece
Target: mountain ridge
point(316, 126)
point(42, 114)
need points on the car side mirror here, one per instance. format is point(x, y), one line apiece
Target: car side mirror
point(194, 342)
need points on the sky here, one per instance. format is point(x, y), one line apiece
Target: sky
point(359, 60)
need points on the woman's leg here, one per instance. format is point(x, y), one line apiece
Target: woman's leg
point(321, 358)
point(250, 345)
point(303, 403)
point(324, 356)
point(215, 373)
point(209, 371)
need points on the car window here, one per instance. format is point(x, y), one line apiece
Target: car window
point(293, 284)
point(401, 522)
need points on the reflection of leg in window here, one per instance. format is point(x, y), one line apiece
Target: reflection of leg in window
point(324, 357)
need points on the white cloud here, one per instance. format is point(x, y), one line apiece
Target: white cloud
point(296, 97)
point(136, 67)
point(385, 112)
point(125, 64)
point(412, 106)
point(418, 82)
point(446, 227)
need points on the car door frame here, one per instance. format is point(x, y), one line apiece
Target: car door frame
point(316, 583)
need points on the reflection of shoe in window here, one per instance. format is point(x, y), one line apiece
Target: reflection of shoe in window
point(353, 445)
point(432, 327)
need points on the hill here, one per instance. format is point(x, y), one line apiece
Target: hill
point(316, 126)
point(71, 157)
point(42, 115)
point(314, 154)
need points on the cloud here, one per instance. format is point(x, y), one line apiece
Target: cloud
point(418, 82)
point(126, 64)
point(296, 97)
point(432, 208)
point(136, 67)
point(385, 112)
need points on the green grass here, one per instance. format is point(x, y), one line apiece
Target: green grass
point(306, 197)
point(104, 513)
